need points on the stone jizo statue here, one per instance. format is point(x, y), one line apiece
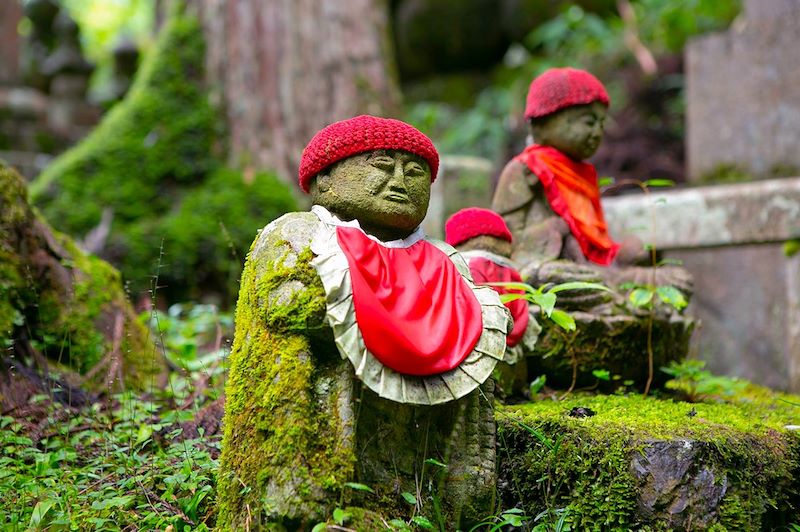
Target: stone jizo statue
point(363, 350)
point(483, 239)
point(550, 199)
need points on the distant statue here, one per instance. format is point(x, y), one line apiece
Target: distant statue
point(484, 240)
point(363, 350)
point(550, 199)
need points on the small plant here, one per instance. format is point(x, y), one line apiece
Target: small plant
point(545, 298)
point(695, 383)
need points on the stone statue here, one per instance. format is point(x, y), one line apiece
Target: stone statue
point(483, 239)
point(550, 199)
point(363, 351)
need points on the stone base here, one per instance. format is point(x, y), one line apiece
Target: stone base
point(617, 344)
point(648, 464)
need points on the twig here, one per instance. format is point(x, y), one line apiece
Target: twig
point(631, 35)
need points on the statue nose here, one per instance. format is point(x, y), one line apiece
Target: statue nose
point(398, 179)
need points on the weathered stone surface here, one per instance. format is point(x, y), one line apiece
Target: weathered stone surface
point(721, 215)
point(743, 94)
point(652, 464)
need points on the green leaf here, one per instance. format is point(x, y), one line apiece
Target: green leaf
point(537, 384)
point(359, 487)
point(320, 527)
point(791, 247)
point(434, 461)
point(423, 522)
point(399, 524)
point(602, 374)
point(506, 298)
point(659, 183)
point(547, 302)
point(513, 286)
point(409, 498)
point(641, 297)
point(39, 512)
point(563, 320)
point(340, 516)
point(605, 181)
point(577, 285)
point(672, 296)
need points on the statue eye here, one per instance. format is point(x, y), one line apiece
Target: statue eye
point(414, 168)
point(383, 162)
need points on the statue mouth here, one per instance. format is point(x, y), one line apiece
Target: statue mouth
point(397, 197)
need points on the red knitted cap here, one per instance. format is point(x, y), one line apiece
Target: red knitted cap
point(345, 138)
point(558, 88)
point(474, 221)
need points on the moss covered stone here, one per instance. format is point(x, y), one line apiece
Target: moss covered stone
point(649, 464)
point(299, 426)
point(155, 162)
point(57, 300)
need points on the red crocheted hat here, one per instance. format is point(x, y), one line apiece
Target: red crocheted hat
point(558, 88)
point(474, 221)
point(342, 139)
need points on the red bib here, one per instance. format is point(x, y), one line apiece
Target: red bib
point(486, 271)
point(572, 191)
point(415, 312)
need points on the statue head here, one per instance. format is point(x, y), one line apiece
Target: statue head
point(476, 228)
point(374, 170)
point(566, 109)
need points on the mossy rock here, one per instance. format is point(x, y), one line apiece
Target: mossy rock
point(154, 161)
point(614, 343)
point(63, 303)
point(635, 463)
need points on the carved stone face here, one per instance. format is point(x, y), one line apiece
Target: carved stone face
point(487, 243)
point(387, 191)
point(575, 131)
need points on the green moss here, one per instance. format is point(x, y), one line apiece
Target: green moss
point(65, 302)
point(155, 161)
point(283, 452)
point(585, 463)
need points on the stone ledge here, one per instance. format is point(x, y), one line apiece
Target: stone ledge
point(721, 215)
point(649, 464)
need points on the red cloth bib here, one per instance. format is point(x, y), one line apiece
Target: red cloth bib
point(572, 191)
point(486, 271)
point(415, 312)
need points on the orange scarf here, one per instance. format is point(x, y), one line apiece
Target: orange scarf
point(571, 189)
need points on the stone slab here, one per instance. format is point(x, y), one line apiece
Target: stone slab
point(721, 215)
point(743, 94)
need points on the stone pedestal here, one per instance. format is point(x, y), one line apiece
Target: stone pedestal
point(743, 94)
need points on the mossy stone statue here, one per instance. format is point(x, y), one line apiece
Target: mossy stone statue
point(363, 351)
point(550, 199)
point(484, 241)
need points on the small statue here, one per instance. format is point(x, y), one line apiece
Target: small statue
point(550, 199)
point(362, 349)
point(482, 237)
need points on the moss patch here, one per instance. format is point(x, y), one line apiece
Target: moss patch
point(66, 304)
point(284, 453)
point(551, 460)
point(155, 161)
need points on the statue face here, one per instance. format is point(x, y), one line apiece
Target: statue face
point(575, 131)
point(487, 243)
point(387, 191)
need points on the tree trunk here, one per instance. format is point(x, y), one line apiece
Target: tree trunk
point(283, 69)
